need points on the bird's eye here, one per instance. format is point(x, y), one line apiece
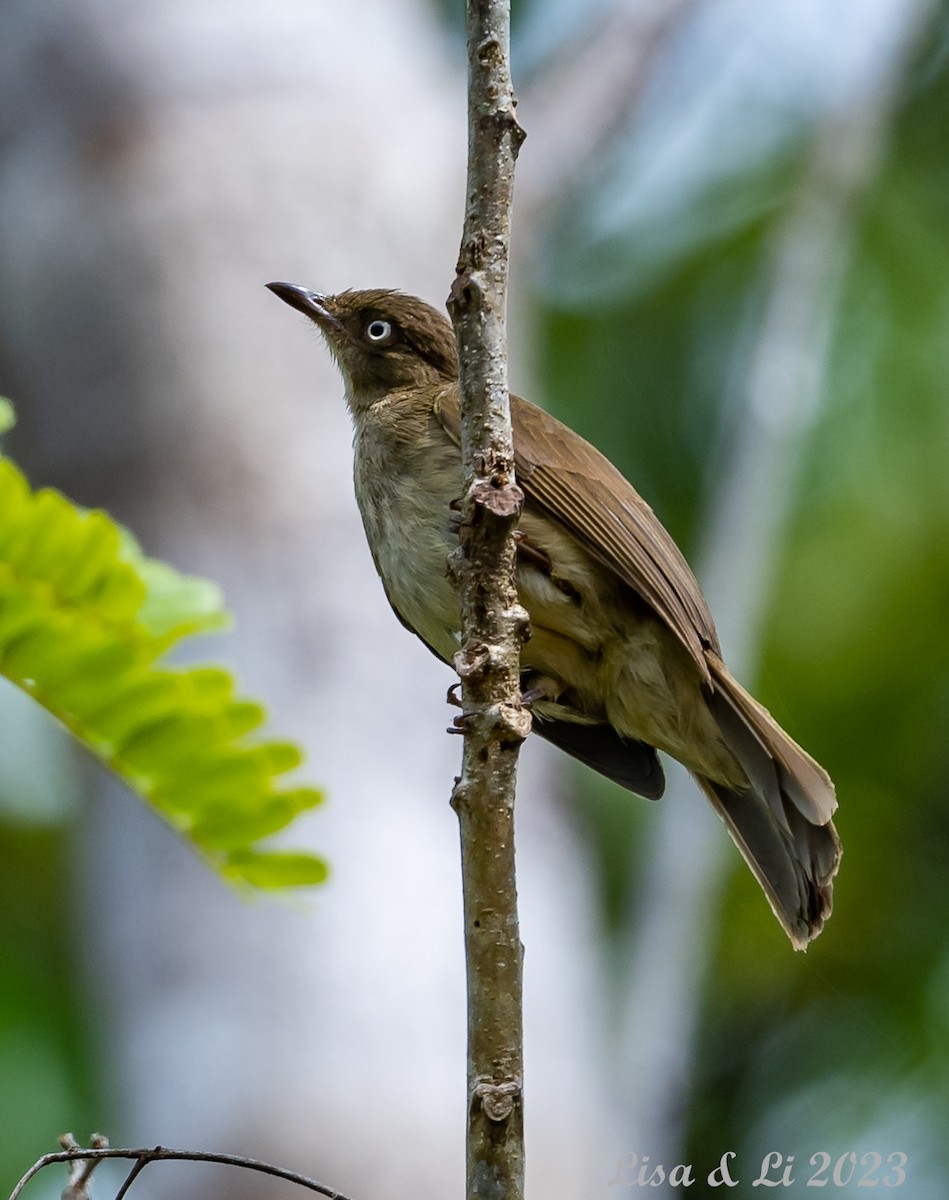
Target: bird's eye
point(378, 331)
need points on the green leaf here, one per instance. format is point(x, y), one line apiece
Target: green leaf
point(176, 605)
point(280, 756)
point(229, 773)
point(275, 869)
point(213, 683)
point(243, 716)
point(85, 620)
point(170, 742)
point(218, 827)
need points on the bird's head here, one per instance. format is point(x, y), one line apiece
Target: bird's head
point(382, 340)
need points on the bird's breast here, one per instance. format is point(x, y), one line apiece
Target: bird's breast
point(406, 480)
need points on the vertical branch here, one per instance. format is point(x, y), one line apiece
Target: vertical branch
point(493, 624)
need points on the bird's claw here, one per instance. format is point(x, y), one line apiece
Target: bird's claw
point(458, 723)
point(542, 687)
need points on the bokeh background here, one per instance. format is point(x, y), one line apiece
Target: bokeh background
point(731, 273)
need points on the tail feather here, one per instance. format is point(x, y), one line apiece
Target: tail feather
point(782, 822)
point(803, 780)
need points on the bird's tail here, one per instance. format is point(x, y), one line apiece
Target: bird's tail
point(781, 824)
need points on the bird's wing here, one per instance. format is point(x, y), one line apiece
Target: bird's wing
point(581, 489)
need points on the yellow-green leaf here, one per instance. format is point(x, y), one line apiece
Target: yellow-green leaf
point(276, 869)
point(85, 621)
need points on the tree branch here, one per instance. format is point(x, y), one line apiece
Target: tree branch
point(82, 1162)
point(493, 624)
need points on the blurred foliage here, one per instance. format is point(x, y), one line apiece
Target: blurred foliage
point(44, 1064)
point(656, 403)
point(85, 620)
point(844, 1044)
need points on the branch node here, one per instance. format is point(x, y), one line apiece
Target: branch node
point(472, 659)
point(518, 132)
point(502, 500)
point(497, 1099)
point(511, 722)
point(80, 1171)
point(520, 618)
point(465, 290)
point(501, 722)
point(460, 794)
point(490, 53)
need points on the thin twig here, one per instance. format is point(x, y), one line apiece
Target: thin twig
point(493, 624)
point(80, 1171)
point(142, 1157)
point(136, 1170)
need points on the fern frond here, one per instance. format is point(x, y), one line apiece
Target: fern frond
point(85, 622)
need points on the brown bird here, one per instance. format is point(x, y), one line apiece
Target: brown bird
point(623, 656)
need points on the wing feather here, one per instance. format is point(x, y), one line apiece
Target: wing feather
point(579, 487)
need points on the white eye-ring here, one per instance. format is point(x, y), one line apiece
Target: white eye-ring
point(378, 331)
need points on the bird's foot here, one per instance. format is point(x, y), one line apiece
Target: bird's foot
point(529, 554)
point(540, 687)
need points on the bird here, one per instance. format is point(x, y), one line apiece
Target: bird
point(623, 658)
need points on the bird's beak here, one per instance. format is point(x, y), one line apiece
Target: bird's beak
point(313, 304)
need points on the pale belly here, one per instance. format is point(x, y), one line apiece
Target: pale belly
point(410, 535)
point(411, 557)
